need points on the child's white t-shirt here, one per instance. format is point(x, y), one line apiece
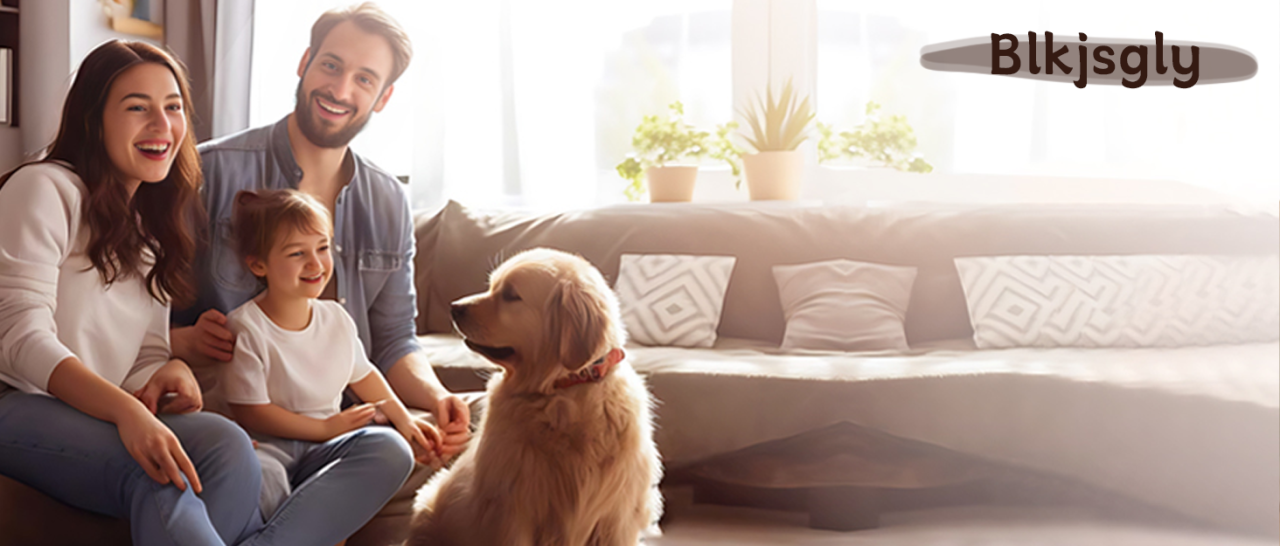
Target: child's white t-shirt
point(301, 371)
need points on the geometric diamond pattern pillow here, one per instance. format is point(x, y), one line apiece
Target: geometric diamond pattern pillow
point(673, 299)
point(1121, 301)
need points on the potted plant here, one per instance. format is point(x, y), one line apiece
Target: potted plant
point(656, 144)
point(777, 129)
point(888, 142)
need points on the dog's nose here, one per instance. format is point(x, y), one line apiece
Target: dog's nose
point(458, 311)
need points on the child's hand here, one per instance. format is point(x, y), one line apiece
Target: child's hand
point(425, 441)
point(351, 418)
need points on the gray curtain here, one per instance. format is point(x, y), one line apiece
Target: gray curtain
point(214, 38)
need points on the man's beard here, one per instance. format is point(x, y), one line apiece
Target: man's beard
point(312, 128)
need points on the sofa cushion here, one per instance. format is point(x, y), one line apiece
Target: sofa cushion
point(30, 517)
point(467, 244)
point(843, 305)
point(1194, 429)
point(1121, 301)
point(672, 299)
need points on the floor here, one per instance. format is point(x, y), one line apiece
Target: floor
point(696, 525)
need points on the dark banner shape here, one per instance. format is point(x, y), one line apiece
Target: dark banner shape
point(1082, 60)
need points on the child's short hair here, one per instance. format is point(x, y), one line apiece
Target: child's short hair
point(257, 217)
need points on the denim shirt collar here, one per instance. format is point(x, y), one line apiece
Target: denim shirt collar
point(281, 153)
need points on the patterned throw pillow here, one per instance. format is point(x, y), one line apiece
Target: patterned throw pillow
point(670, 299)
point(1121, 301)
point(843, 305)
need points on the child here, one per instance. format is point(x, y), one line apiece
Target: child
point(294, 356)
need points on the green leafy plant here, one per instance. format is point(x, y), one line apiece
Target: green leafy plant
point(778, 125)
point(658, 142)
point(723, 149)
point(888, 141)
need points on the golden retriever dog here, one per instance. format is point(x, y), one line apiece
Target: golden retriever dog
point(565, 453)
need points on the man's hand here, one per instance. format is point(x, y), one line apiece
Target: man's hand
point(173, 378)
point(454, 419)
point(208, 340)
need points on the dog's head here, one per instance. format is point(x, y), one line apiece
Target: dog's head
point(546, 313)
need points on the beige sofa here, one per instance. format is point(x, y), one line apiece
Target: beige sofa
point(1192, 432)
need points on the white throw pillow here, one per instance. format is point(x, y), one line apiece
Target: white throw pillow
point(1121, 301)
point(673, 299)
point(843, 305)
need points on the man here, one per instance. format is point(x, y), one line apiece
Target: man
point(348, 73)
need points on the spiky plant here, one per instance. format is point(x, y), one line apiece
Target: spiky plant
point(778, 125)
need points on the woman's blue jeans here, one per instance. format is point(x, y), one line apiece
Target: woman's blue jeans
point(338, 485)
point(80, 461)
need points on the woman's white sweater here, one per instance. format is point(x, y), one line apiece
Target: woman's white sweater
point(53, 303)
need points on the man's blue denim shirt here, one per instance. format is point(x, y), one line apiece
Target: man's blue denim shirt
point(372, 246)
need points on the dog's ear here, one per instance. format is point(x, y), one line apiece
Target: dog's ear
point(576, 324)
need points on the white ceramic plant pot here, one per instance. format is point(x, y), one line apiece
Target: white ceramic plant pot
point(773, 175)
point(671, 183)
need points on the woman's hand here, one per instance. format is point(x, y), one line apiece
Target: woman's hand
point(148, 441)
point(351, 418)
point(157, 450)
point(172, 378)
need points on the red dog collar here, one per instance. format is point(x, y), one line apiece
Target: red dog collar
point(593, 373)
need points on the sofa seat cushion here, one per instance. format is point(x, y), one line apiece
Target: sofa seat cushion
point(1195, 429)
point(29, 517)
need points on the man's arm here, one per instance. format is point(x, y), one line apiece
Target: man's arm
point(391, 321)
point(395, 350)
point(415, 382)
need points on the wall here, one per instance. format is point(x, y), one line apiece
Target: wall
point(10, 148)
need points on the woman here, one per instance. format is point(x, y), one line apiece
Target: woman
point(94, 245)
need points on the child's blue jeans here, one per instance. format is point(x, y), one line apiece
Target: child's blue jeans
point(334, 487)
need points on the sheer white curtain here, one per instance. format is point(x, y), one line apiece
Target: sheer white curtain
point(532, 103)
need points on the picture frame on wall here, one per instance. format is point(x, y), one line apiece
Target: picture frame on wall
point(138, 17)
point(6, 86)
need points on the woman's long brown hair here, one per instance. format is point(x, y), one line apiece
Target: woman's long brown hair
point(159, 217)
